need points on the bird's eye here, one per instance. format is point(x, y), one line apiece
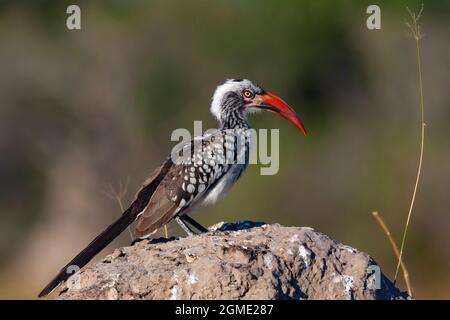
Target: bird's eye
point(248, 93)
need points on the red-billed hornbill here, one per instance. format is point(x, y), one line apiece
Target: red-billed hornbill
point(204, 169)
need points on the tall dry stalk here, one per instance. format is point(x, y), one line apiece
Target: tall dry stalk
point(417, 35)
point(395, 249)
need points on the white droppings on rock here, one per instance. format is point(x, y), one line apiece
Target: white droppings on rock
point(348, 287)
point(174, 291)
point(268, 261)
point(347, 282)
point(193, 278)
point(190, 257)
point(304, 253)
point(294, 238)
point(348, 248)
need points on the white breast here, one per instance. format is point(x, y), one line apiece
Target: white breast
point(225, 183)
point(231, 176)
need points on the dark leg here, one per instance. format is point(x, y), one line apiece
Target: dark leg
point(193, 223)
point(184, 226)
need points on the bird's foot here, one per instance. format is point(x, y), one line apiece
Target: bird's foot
point(185, 227)
point(194, 223)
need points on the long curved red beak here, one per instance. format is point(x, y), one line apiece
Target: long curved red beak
point(274, 104)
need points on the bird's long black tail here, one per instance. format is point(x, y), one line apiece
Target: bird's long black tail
point(110, 233)
point(97, 245)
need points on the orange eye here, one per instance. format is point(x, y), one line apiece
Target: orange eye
point(248, 93)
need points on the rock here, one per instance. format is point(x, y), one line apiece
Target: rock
point(246, 260)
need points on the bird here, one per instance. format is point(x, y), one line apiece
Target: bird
point(197, 172)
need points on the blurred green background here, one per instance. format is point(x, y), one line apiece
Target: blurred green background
point(83, 110)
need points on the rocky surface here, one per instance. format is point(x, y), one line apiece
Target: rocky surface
point(246, 260)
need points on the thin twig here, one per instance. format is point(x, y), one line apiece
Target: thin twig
point(416, 32)
point(166, 234)
point(395, 248)
point(118, 196)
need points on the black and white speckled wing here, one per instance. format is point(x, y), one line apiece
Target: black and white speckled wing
point(196, 168)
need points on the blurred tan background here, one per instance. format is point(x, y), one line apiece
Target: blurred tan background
point(82, 110)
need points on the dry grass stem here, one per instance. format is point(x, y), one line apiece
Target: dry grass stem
point(395, 249)
point(417, 35)
point(118, 195)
